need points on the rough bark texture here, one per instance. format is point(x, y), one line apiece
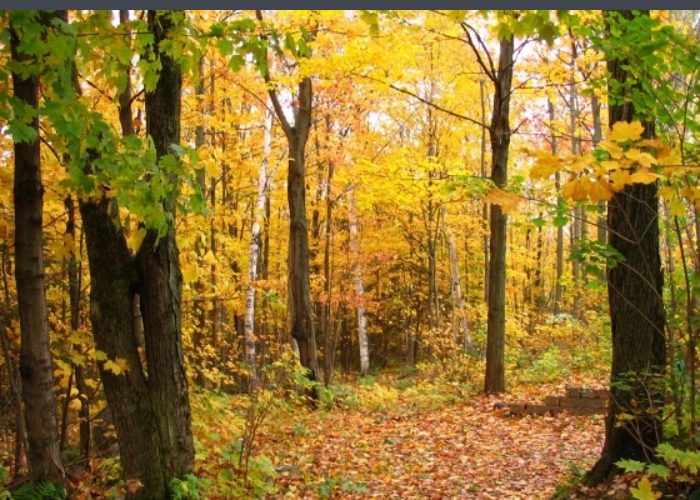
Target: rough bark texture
point(636, 307)
point(499, 132)
point(160, 278)
point(35, 356)
point(113, 277)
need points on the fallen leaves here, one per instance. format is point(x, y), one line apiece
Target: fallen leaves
point(466, 450)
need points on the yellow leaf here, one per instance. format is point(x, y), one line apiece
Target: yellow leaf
point(574, 190)
point(211, 167)
point(209, 258)
point(507, 201)
point(113, 367)
point(600, 191)
point(644, 177)
point(546, 165)
point(644, 159)
point(190, 272)
point(619, 179)
point(667, 192)
point(135, 239)
point(623, 131)
point(612, 148)
point(676, 208)
point(644, 490)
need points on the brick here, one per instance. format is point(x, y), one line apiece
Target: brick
point(537, 410)
point(573, 392)
point(583, 403)
point(555, 409)
point(602, 393)
point(517, 408)
point(552, 400)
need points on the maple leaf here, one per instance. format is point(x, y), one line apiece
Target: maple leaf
point(623, 131)
point(507, 201)
point(644, 491)
point(600, 191)
point(546, 165)
point(644, 177)
point(575, 190)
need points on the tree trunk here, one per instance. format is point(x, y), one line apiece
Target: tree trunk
point(160, 276)
point(359, 286)
point(74, 287)
point(499, 132)
point(461, 326)
point(299, 275)
point(112, 281)
point(255, 255)
point(485, 208)
point(35, 356)
point(597, 137)
point(636, 306)
point(558, 288)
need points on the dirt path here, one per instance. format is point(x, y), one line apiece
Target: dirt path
point(464, 451)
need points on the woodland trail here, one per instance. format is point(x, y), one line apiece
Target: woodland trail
point(463, 451)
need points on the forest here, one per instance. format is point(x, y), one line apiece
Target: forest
point(349, 254)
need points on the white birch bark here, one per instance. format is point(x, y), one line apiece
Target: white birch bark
point(249, 315)
point(359, 286)
point(461, 326)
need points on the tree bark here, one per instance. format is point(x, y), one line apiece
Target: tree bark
point(35, 356)
point(558, 287)
point(499, 132)
point(636, 306)
point(74, 282)
point(160, 278)
point(359, 286)
point(255, 255)
point(460, 324)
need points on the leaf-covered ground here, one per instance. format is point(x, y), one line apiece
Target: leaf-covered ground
point(463, 450)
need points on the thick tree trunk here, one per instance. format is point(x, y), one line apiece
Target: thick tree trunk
point(359, 286)
point(35, 356)
point(499, 131)
point(113, 278)
point(160, 278)
point(636, 306)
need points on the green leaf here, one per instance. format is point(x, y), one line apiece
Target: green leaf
point(659, 470)
point(561, 221)
point(631, 465)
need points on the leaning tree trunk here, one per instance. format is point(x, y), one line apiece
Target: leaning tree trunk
point(636, 306)
point(499, 132)
point(35, 356)
point(160, 278)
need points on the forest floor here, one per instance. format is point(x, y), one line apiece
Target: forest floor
point(465, 449)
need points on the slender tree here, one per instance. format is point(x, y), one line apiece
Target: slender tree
point(297, 134)
point(35, 356)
